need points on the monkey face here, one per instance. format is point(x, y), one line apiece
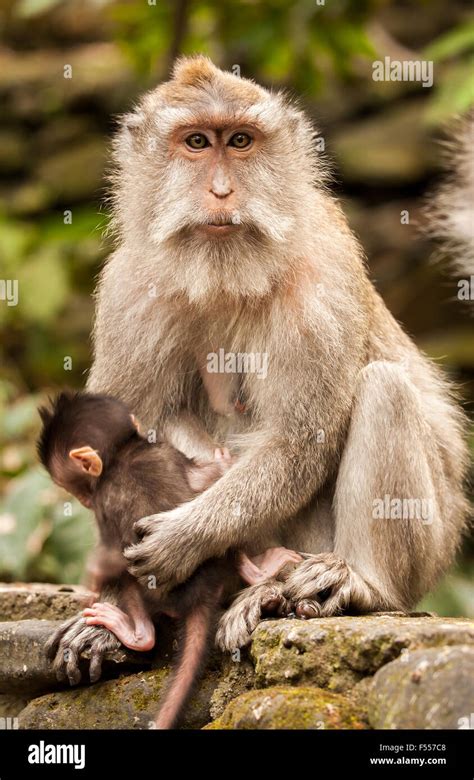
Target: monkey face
point(224, 169)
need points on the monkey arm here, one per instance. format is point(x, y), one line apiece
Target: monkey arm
point(277, 475)
point(187, 433)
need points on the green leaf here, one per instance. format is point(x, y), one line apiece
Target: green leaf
point(455, 93)
point(454, 42)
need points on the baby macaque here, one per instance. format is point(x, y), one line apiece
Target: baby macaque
point(92, 447)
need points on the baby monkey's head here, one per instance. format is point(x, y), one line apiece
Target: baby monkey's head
point(81, 434)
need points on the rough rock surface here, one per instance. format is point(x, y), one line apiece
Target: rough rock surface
point(424, 689)
point(336, 653)
point(281, 707)
point(379, 671)
point(126, 703)
point(19, 601)
point(24, 667)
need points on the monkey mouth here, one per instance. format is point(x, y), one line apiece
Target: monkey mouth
point(219, 226)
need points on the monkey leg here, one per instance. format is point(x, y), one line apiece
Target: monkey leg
point(71, 639)
point(136, 632)
point(381, 560)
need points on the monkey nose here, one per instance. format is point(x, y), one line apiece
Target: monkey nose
point(221, 192)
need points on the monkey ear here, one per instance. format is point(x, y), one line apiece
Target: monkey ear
point(135, 422)
point(88, 460)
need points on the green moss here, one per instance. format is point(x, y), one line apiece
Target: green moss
point(289, 708)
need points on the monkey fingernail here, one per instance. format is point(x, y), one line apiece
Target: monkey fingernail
point(271, 604)
point(307, 610)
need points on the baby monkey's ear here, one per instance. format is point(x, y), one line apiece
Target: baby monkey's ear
point(135, 422)
point(88, 460)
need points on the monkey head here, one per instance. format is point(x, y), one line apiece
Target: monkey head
point(80, 435)
point(213, 179)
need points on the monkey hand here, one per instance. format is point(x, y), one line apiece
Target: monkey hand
point(71, 639)
point(168, 552)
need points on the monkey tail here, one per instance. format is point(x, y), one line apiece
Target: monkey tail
point(194, 639)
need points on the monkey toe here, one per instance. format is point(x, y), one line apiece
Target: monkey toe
point(307, 609)
point(274, 605)
point(271, 605)
point(54, 642)
point(95, 667)
point(102, 643)
point(72, 670)
point(233, 631)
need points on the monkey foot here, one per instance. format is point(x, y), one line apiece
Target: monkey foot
point(320, 586)
point(136, 635)
point(70, 640)
point(251, 605)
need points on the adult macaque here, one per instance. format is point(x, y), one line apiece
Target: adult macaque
point(451, 216)
point(228, 239)
point(91, 446)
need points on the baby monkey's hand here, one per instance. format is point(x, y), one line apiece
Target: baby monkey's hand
point(259, 568)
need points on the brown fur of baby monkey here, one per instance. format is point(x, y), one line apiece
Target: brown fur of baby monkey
point(91, 447)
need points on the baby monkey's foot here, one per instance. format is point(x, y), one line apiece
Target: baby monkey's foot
point(136, 636)
point(261, 567)
point(223, 458)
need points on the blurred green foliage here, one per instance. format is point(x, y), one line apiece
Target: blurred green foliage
point(274, 38)
point(45, 534)
point(53, 148)
point(455, 92)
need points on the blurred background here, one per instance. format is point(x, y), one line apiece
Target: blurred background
point(383, 138)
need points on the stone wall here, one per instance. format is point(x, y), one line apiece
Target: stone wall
point(384, 671)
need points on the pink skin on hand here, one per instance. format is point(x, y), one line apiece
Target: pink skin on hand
point(223, 459)
point(136, 635)
point(261, 567)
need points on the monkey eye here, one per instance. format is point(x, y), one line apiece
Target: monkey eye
point(240, 140)
point(197, 141)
